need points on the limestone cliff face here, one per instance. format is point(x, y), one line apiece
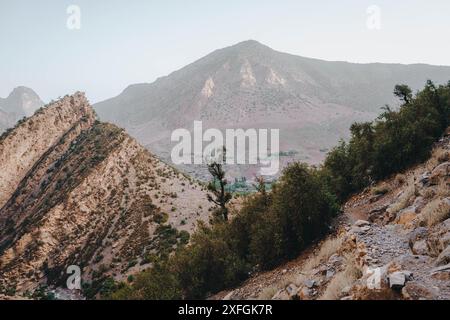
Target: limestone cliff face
point(21, 148)
point(89, 195)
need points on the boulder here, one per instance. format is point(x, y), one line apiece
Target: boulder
point(330, 274)
point(439, 239)
point(441, 273)
point(362, 223)
point(335, 260)
point(441, 171)
point(416, 235)
point(281, 295)
point(397, 280)
point(424, 180)
point(420, 248)
point(346, 291)
point(416, 291)
point(443, 258)
point(358, 230)
point(292, 290)
point(441, 268)
point(309, 283)
point(408, 275)
point(305, 294)
point(419, 202)
point(406, 215)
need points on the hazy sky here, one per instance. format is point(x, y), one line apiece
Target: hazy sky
point(123, 42)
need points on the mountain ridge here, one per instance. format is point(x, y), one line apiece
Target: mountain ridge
point(84, 193)
point(250, 85)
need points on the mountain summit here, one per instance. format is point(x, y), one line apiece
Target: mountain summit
point(249, 85)
point(21, 102)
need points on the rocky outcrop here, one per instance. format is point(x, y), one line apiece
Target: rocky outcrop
point(87, 195)
point(21, 148)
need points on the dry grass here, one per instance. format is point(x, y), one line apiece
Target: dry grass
point(428, 193)
point(400, 179)
point(438, 156)
point(382, 294)
point(343, 279)
point(380, 190)
point(267, 293)
point(441, 155)
point(436, 211)
point(443, 189)
point(327, 249)
point(299, 280)
point(404, 198)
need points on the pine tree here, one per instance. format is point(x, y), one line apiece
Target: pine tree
point(217, 186)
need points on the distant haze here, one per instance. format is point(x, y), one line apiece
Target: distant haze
point(249, 85)
point(124, 42)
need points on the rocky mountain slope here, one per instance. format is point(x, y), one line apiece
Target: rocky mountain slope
point(392, 242)
point(79, 192)
point(249, 85)
point(22, 102)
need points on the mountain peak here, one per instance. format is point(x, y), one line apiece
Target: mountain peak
point(250, 46)
point(22, 101)
point(20, 89)
point(249, 42)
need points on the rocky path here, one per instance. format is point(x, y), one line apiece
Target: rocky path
point(389, 246)
point(396, 234)
point(383, 243)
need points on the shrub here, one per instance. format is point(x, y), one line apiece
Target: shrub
point(342, 279)
point(392, 143)
point(436, 211)
point(157, 283)
point(208, 264)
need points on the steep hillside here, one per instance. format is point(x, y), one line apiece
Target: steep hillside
point(27, 143)
point(249, 85)
point(22, 102)
point(80, 192)
point(392, 242)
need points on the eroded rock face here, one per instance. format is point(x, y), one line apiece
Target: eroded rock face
point(23, 147)
point(417, 291)
point(443, 258)
point(441, 171)
point(89, 195)
point(439, 239)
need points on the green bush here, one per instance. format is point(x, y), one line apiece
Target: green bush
point(392, 143)
point(156, 283)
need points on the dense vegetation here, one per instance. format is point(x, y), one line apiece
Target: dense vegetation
point(395, 141)
point(275, 226)
point(270, 228)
